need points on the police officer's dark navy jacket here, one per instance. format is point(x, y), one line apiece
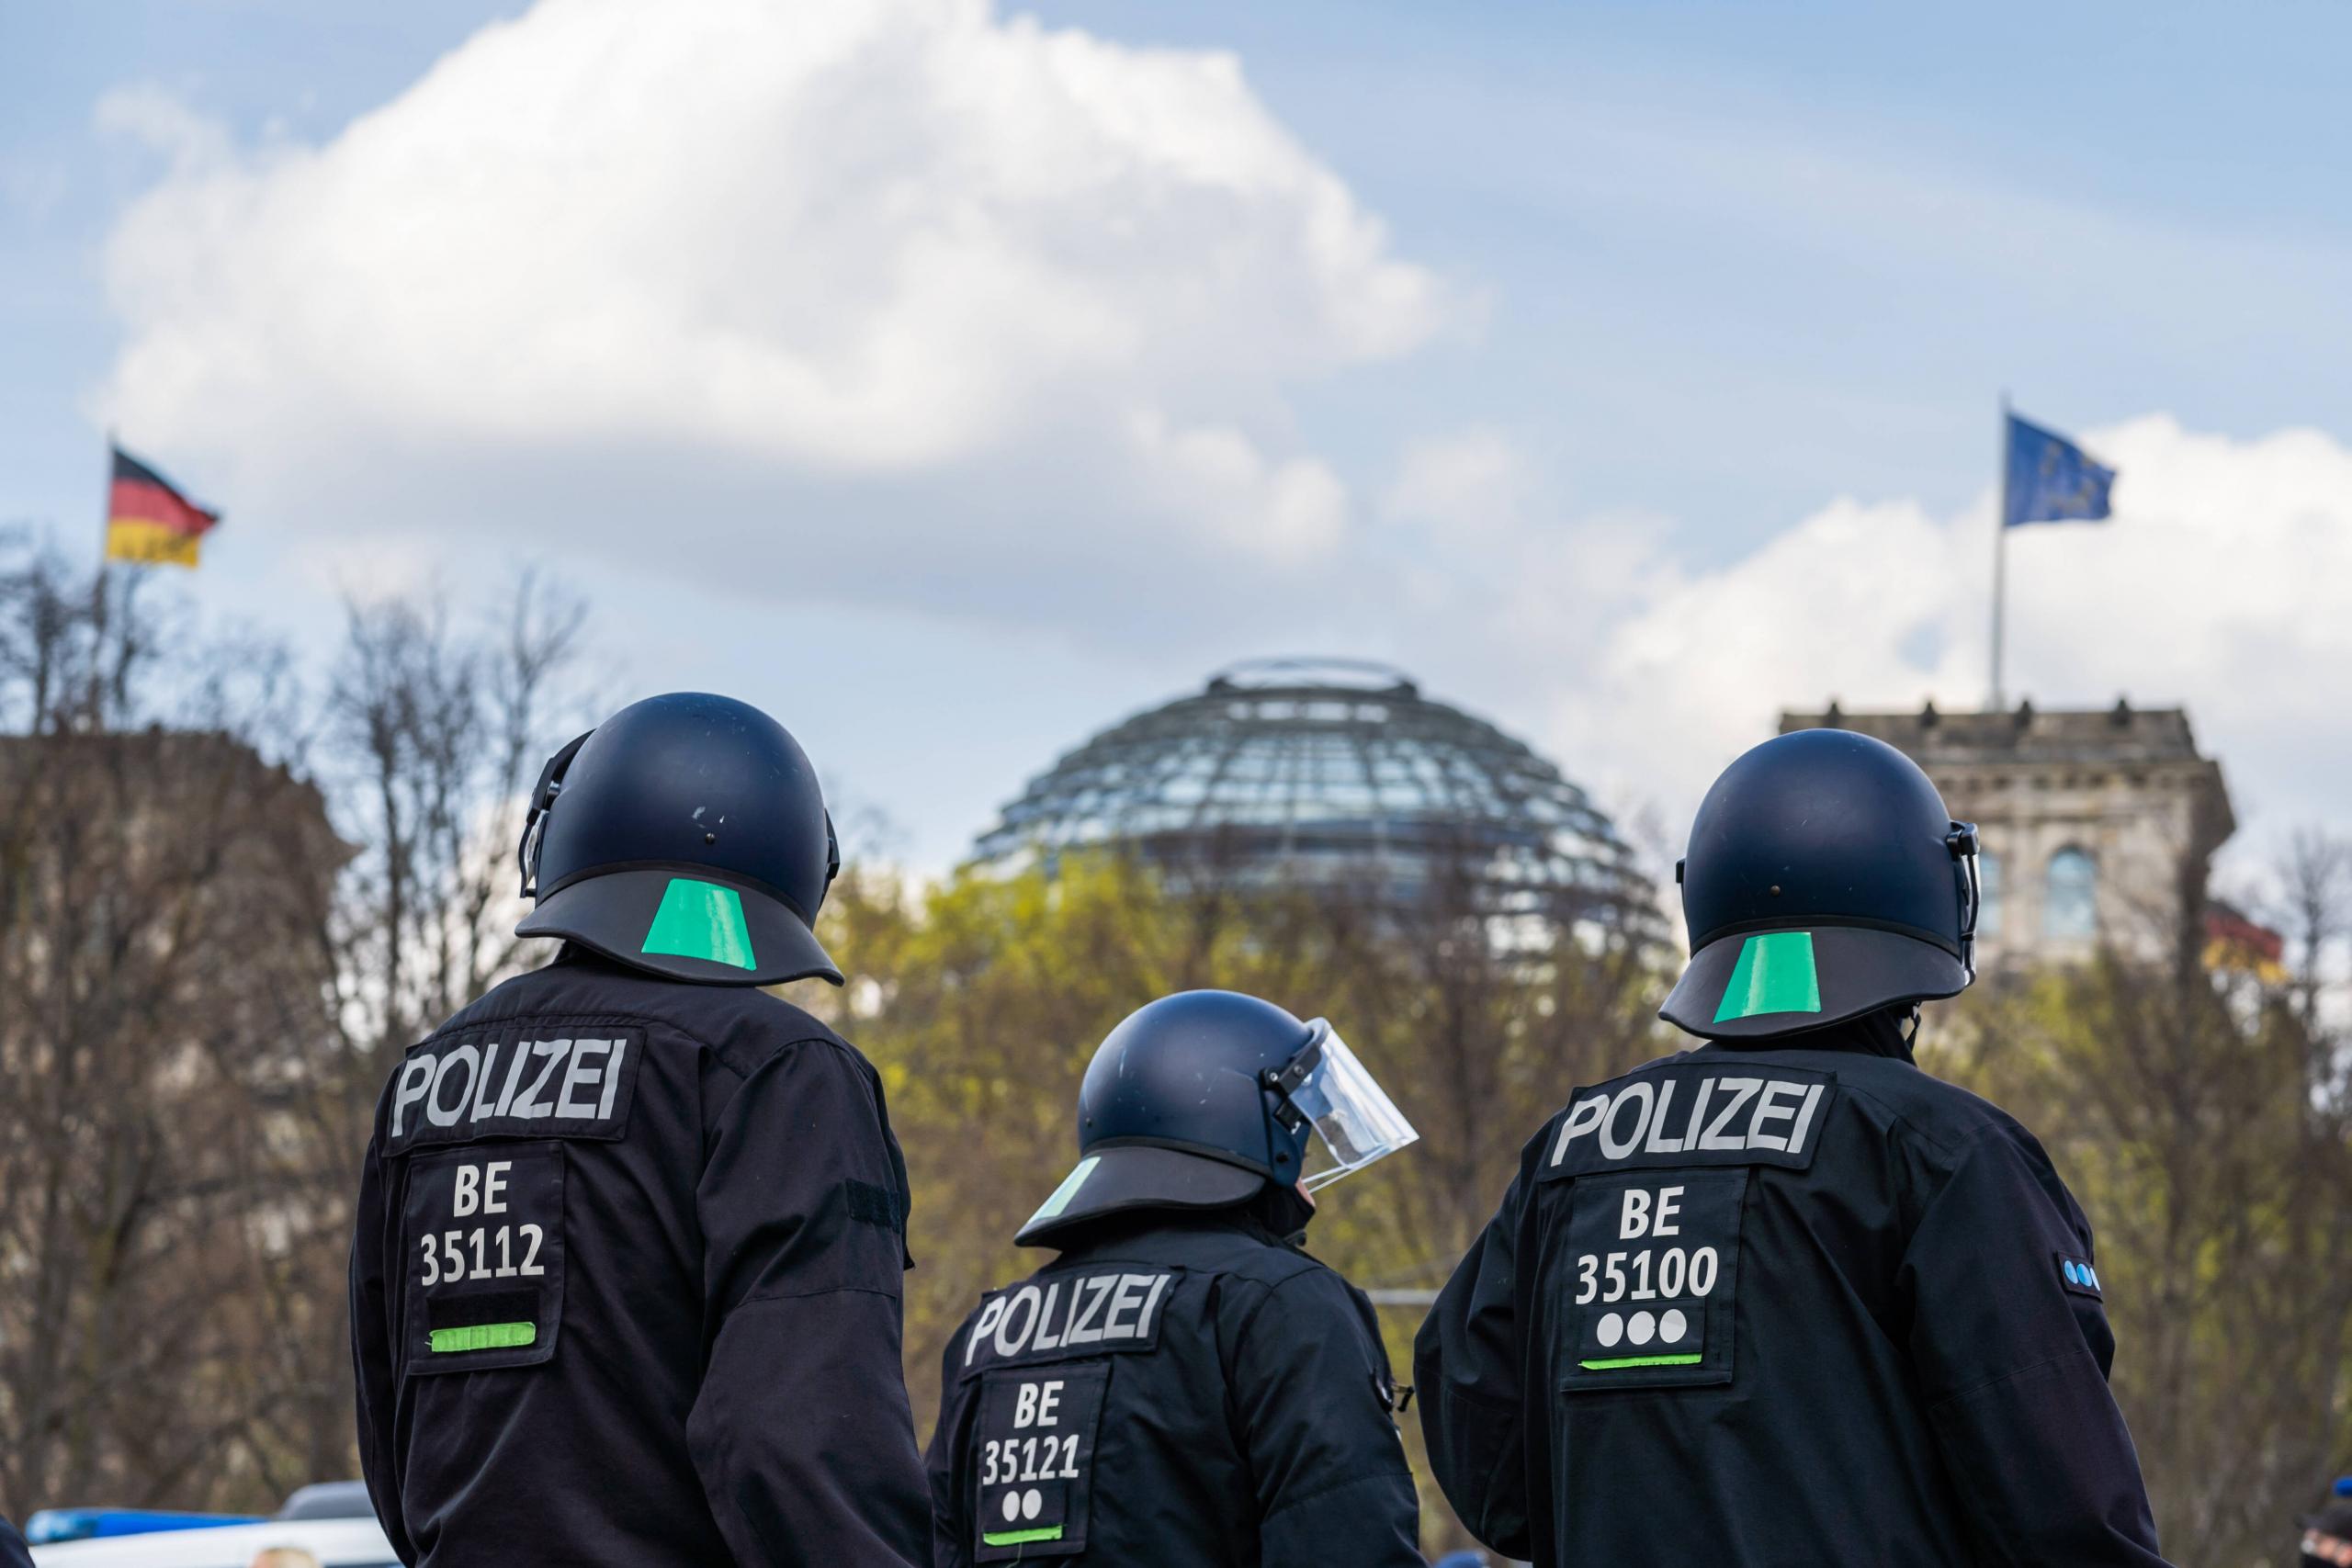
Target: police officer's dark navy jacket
point(625, 1286)
point(1792, 1304)
point(1180, 1388)
point(13, 1554)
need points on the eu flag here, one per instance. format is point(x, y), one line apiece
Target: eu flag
point(2051, 479)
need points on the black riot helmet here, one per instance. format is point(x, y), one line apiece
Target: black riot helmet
point(685, 835)
point(1825, 880)
point(1203, 1099)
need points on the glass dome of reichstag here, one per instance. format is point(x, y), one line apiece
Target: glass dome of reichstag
point(1339, 774)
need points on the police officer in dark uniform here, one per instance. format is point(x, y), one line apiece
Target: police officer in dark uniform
point(13, 1551)
point(1785, 1298)
point(626, 1285)
point(1183, 1386)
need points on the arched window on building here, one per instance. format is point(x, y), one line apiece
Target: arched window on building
point(1988, 895)
point(2070, 904)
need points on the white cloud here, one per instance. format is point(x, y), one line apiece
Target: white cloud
point(153, 118)
point(1472, 483)
point(2220, 584)
point(805, 287)
point(906, 305)
point(1697, 669)
point(1288, 512)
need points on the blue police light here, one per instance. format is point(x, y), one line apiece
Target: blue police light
point(2344, 1486)
point(50, 1525)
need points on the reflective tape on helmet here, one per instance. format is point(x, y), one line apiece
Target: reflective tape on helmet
point(1052, 1207)
point(701, 920)
point(1775, 973)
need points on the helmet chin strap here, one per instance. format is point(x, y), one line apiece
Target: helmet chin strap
point(1890, 1030)
point(542, 800)
point(1284, 1211)
point(1966, 847)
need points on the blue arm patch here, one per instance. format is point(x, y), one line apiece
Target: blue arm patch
point(2078, 1276)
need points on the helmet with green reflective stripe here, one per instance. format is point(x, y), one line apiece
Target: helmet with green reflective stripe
point(1826, 879)
point(686, 835)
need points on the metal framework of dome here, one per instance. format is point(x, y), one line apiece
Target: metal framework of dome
point(1335, 774)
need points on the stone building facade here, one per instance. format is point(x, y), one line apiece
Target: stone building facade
point(2096, 823)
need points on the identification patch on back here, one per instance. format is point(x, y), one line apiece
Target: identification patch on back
point(1717, 1112)
point(539, 1082)
point(1063, 1315)
point(1648, 1282)
point(1034, 1458)
point(483, 1232)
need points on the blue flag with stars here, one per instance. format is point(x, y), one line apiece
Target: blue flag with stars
point(2051, 479)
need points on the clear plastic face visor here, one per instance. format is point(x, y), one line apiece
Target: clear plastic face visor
point(1356, 1121)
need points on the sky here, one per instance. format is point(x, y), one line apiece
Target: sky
point(953, 379)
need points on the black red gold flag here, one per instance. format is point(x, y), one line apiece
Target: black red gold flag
point(148, 520)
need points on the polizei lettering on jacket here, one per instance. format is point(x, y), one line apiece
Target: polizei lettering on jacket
point(535, 1083)
point(1694, 1114)
point(1068, 1314)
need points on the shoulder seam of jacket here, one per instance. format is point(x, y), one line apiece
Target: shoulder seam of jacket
point(1911, 1127)
point(760, 1296)
point(718, 1052)
point(1977, 1143)
point(1304, 1498)
point(1268, 1288)
point(1994, 1381)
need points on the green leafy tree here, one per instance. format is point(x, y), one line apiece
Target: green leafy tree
point(2202, 1117)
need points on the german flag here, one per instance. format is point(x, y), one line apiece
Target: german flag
point(150, 522)
point(2235, 940)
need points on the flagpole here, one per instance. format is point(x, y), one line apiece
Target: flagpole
point(98, 595)
point(2000, 551)
point(105, 518)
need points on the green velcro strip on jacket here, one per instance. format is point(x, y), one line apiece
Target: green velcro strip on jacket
point(701, 920)
point(1019, 1538)
point(484, 1337)
point(1775, 973)
point(1622, 1361)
